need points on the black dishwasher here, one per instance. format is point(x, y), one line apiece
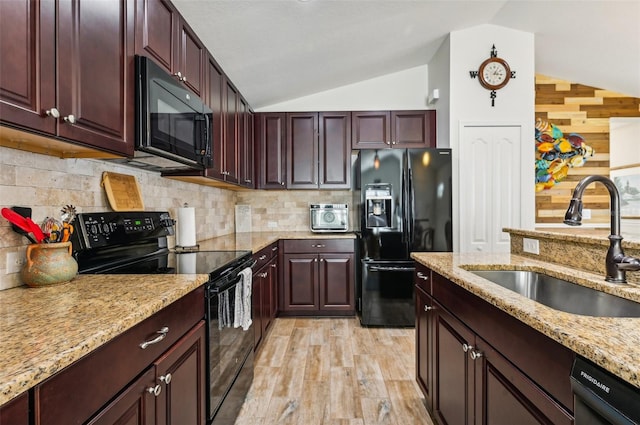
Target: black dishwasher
point(602, 398)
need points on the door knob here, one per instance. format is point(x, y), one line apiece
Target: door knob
point(70, 119)
point(53, 113)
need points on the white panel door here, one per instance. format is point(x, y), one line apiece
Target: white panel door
point(490, 186)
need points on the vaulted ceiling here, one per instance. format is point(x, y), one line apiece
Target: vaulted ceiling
point(277, 50)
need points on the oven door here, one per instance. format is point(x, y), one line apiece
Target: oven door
point(229, 349)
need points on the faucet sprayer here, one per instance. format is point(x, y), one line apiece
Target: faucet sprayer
point(616, 262)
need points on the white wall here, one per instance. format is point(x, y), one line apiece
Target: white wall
point(401, 90)
point(624, 137)
point(439, 78)
point(470, 103)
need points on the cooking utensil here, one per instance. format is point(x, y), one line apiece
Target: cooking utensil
point(65, 232)
point(53, 228)
point(68, 213)
point(25, 212)
point(25, 223)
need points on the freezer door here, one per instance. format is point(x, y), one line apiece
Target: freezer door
point(429, 200)
point(387, 294)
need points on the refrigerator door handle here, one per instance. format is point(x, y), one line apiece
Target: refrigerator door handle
point(411, 207)
point(391, 269)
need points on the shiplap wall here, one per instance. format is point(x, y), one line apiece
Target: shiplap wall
point(576, 108)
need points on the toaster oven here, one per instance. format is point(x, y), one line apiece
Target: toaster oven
point(329, 217)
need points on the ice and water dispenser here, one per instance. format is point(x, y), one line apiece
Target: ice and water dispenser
point(379, 202)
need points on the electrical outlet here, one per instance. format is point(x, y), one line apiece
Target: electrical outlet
point(586, 213)
point(15, 261)
point(532, 246)
point(272, 224)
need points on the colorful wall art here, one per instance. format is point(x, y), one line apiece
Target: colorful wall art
point(557, 153)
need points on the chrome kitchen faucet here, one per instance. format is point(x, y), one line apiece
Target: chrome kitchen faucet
point(617, 264)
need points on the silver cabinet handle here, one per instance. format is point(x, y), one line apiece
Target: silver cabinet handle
point(70, 119)
point(262, 257)
point(162, 334)
point(247, 181)
point(466, 347)
point(263, 275)
point(275, 248)
point(166, 378)
point(155, 390)
point(281, 183)
point(184, 78)
point(53, 113)
point(274, 265)
point(179, 75)
point(318, 246)
point(422, 276)
point(428, 308)
point(475, 355)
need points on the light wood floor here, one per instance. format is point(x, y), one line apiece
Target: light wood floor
point(333, 372)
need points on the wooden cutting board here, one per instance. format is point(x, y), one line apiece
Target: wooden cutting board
point(122, 191)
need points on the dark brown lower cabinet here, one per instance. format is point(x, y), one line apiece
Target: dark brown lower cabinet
point(473, 369)
point(264, 292)
point(151, 374)
point(16, 411)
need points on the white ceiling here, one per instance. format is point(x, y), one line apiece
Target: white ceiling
point(277, 50)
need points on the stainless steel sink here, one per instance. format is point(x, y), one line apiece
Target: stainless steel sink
point(561, 294)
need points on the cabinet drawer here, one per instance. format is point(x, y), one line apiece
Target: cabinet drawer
point(318, 245)
point(263, 256)
point(74, 394)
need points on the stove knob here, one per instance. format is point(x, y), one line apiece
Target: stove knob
point(105, 228)
point(94, 229)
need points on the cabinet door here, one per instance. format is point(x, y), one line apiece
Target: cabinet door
point(453, 370)
point(271, 148)
point(268, 295)
point(504, 395)
point(302, 150)
point(335, 279)
point(413, 129)
point(257, 283)
point(27, 68)
point(231, 134)
point(181, 374)
point(370, 130)
point(156, 30)
point(191, 57)
point(96, 73)
point(273, 276)
point(424, 346)
point(300, 287)
point(136, 405)
point(249, 157)
point(16, 411)
point(216, 101)
point(245, 145)
point(334, 149)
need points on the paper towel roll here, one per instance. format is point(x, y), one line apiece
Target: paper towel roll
point(186, 227)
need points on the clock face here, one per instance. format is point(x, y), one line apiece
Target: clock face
point(494, 73)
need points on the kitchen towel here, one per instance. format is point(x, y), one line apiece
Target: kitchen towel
point(224, 316)
point(186, 232)
point(242, 313)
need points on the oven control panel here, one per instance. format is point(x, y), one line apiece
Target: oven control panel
point(98, 230)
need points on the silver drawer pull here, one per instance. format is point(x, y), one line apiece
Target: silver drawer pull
point(155, 390)
point(466, 347)
point(162, 335)
point(262, 257)
point(428, 308)
point(275, 248)
point(475, 355)
point(422, 276)
point(166, 378)
point(318, 246)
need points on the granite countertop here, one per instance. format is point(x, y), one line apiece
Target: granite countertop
point(43, 330)
point(613, 343)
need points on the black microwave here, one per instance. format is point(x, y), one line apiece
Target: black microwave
point(173, 125)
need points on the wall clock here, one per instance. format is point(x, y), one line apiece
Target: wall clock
point(494, 73)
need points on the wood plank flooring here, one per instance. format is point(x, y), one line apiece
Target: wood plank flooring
point(332, 371)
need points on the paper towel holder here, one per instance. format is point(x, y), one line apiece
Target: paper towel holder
point(192, 247)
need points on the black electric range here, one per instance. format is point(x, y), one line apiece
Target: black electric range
point(136, 243)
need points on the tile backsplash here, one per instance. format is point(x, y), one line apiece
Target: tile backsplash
point(46, 183)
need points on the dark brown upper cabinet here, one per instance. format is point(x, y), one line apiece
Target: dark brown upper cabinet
point(334, 150)
point(162, 34)
point(270, 148)
point(302, 150)
point(393, 129)
point(68, 71)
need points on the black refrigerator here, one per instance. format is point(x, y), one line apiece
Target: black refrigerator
point(403, 199)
